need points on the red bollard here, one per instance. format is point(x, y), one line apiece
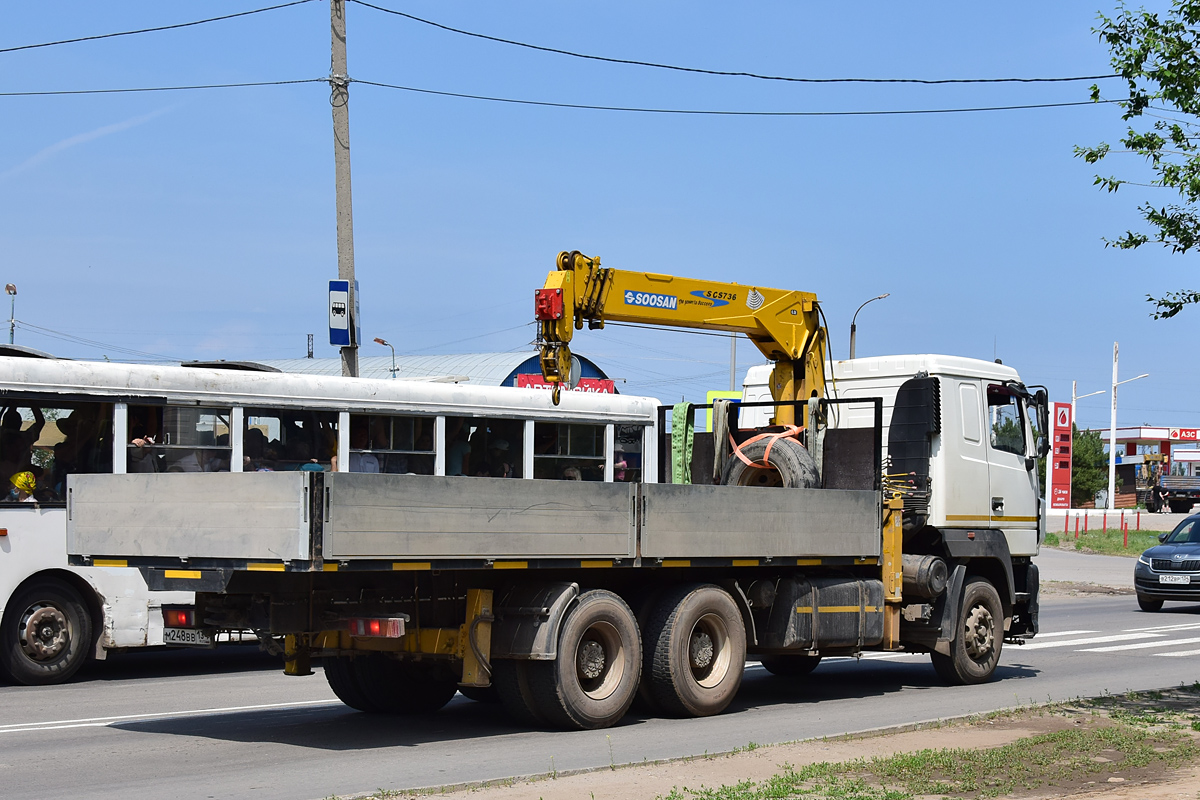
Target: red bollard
point(1139, 520)
point(1076, 526)
point(1126, 535)
point(1104, 522)
point(1085, 521)
point(1066, 522)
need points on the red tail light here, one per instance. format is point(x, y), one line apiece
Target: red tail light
point(377, 627)
point(178, 617)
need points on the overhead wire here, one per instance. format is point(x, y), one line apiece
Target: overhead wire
point(163, 88)
point(68, 337)
point(726, 73)
point(152, 30)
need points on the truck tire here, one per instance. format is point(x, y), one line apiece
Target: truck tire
point(790, 665)
point(1146, 604)
point(339, 672)
point(790, 466)
point(403, 687)
point(695, 651)
point(975, 650)
point(46, 634)
point(1180, 506)
point(511, 679)
point(595, 677)
point(480, 694)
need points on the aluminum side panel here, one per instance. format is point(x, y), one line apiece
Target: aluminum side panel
point(733, 521)
point(420, 516)
point(250, 516)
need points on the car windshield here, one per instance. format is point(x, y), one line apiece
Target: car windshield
point(1186, 533)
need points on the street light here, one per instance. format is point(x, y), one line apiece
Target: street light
point(1077, 397)
point(1112, 433)
point(394, 368)
point(853, 319)
point(11, 288)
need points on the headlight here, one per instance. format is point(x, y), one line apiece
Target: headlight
point(1143, 560)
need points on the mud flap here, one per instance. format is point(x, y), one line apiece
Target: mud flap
point(528, 618)
point(950, 610)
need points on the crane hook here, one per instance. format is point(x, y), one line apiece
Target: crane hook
point(556, 393)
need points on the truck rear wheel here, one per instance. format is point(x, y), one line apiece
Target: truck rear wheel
point(595, 677)
point(1180, 506)
point(339, 672)
point(790, 665)
point(403, 687)
point(46, 634)
point(511, 679)
point(975, 650)
point(695, 651)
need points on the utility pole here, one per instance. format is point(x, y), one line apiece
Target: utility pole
point(339, 98)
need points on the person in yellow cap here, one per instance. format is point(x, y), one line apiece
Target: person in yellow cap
point(23, 487)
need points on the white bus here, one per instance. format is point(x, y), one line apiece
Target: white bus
point(60, 417)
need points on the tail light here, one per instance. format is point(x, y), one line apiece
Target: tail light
point(179, 617)
point(377, 627)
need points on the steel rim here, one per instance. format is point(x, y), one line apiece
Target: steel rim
point(759, 476)
point(44, 632)
point(709, 651)
point(980, 634)
point(600, 660)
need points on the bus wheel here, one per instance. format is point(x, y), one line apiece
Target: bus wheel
point(593, 681)
point(511, 680)
point(339, 671)
point(975, 650)
point(790, 665)
point(403, 687)
point(695, 651)
point(46, 634)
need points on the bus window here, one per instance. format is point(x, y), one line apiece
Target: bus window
point(563, 451)
point(484, 447)
point(399, 445)
point(627, 453)
point(277, 440)
point(178, 439)
point(52, 442)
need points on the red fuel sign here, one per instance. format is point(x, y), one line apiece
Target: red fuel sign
point(1059, 466)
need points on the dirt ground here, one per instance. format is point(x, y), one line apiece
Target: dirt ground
point(647, 782)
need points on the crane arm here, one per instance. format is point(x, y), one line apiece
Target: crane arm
point(784, 325)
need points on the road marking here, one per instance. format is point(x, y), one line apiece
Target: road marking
point(1183, 653)
point(99, 722)
point(1120, 637)
point(1186, 626)
point(1140, 645)
point(1041, 635)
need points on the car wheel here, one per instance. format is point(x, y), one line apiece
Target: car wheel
point(1146, 604)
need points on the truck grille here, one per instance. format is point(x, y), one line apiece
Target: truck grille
point(1167, 565)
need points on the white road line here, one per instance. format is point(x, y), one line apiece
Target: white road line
point(1120, 637)
point(1140, 645)
point(1042, 635)
point(1185, 626)
point(1182, 653)
point(99, 722)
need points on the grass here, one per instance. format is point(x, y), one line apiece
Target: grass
point(1109, 541)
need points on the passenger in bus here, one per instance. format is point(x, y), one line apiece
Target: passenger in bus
point(16, 445)
point(458, 452)
point(143, 428)
point(572, 474)
point(23, 486)
point(422, 464)
point(360, 439)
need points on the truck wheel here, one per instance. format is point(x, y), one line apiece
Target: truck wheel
point(789, 665)
point(46, 634)
point(511, 679)
point(790, 466)
point(1180, 506)
point(695, 651)
point(975, 650)
point(1146, 604)
point(480, 694)
point(401, 687)
point(339, 672)
point(595, 677)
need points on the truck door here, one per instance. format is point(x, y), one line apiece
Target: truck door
point(1014, 488)
point(965, 488)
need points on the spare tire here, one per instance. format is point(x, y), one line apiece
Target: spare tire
point(789, 465)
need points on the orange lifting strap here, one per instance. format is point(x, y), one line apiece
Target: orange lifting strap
point(789, 431)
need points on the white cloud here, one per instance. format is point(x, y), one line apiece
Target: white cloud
point(81, 138)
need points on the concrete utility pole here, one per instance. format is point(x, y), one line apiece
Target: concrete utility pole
point(339, 98)
point(1112, 433)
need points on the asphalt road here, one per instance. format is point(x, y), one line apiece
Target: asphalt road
point(232, 726)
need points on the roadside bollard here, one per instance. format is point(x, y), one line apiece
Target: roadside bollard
point(1085, 521)
point(1104, 522)
point(1139, 520)
point(1077, 527)
point(1126, 528)
point(1067, 522)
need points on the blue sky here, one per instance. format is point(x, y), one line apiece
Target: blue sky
point(201, 224)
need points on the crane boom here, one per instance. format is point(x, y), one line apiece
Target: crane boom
point(784, 325)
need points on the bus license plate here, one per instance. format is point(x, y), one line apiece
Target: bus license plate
point(1174, 578)
point(197, 637)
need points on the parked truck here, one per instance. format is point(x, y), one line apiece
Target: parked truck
point(889, 504)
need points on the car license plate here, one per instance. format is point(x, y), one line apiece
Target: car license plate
point(1174, 578)
point(198, 637)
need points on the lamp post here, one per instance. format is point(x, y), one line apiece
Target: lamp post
point(853, 327)
point(12, 310)
point(1112, 433)
point(394, 368)
point(1077, 397)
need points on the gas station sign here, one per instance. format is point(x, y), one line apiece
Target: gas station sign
point(1183, 434)
point(1058, 470)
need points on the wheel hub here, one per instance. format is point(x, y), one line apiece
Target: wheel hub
point(43, 632)
point(591, 660)
point(981, 633)
point(701, 650)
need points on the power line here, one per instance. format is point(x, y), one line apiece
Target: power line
point(163, 88)
point(152, 30)
point(676, 68)
point(67, 337)
point(722, 113)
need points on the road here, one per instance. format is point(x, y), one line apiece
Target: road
point(232, 726)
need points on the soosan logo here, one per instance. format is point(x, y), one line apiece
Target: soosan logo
point(754, 300)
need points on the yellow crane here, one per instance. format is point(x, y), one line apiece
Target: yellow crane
point(784, 325)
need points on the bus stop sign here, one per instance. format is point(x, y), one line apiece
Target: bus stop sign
point(341, 321)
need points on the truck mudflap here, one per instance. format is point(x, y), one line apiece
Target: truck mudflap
point(528, 618)
point(1025, 610)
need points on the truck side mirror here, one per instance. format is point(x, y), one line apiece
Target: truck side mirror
point(1042, 401)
